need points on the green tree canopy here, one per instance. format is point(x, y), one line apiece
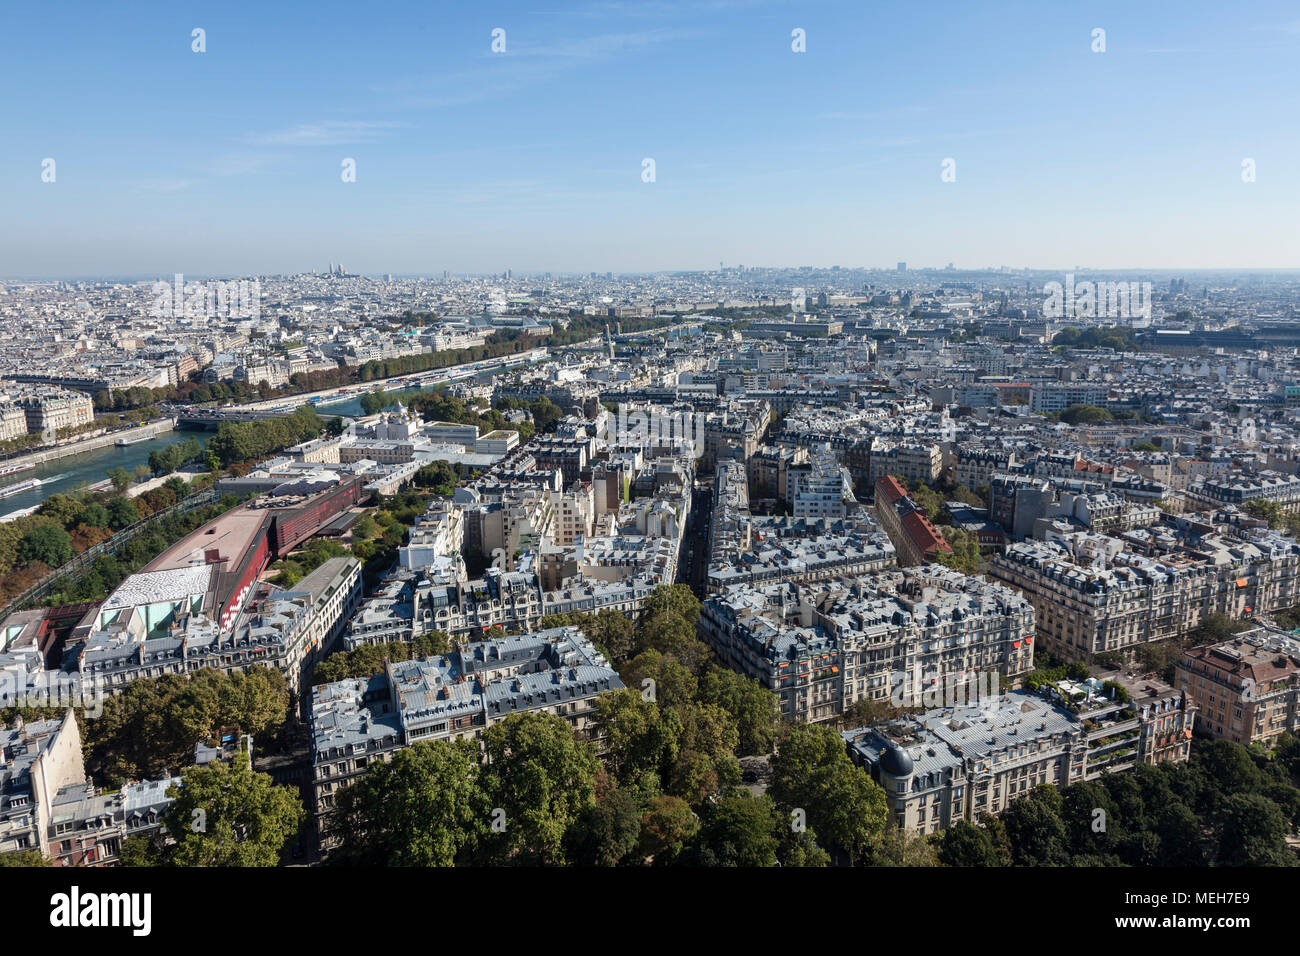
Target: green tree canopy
point(422, 808)
point(542, 779)
point(812, 772)
point(227, 814)
point(48, 543)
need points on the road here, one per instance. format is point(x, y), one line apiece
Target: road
point(695, 545)
point(287, 403)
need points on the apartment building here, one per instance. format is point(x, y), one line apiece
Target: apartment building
point(768, 470)
point(1219, 490)
point(735, 432)
point(575, 512)
point(975, 465)
point(953, 763)
point(37, 760)
point(48, 412)
point(729, 527)
point(915, 461)
point(1058, 396)
point(13, 421)
point(797, 549)
point(355, 723)
point(820, 489)
point(823, 645)
point(570, 455)
point(289, 629)
point(915, 539)
point(48, 804)
point(88, 827)
point(1083, 609)
point(1247, 688)
point(436, 538)
point(1096, 594)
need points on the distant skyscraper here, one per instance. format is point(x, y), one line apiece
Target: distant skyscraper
point(902, 267)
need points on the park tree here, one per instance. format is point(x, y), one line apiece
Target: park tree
point(1251, 830)
point(95, 515)
point(143, 850)
point(1223, 768)
point(812, 773)
point(639, 737)
point(965, 844)
point(422, 808)
point(898, 847)
point(1034, 826)
point(149, 728)
point(706, 763)
point(755, 710)
point(965, 554)
point(670, 634)
point(1085, 415)
point(1087, 829)
point(538, 780)
point(63, 509)
point(931, 502)
point(1267, 509)
point(799, 847)
point(672, 682)
point(121, 513)
point(23, 858)
point(227, 814)
point(675, 599)
point(606, 832)
point(611, 631)
point(120, 477)
point(256, 701)
point(668, 827)
point(545, 413)
point(738, 830)
point(48, 543)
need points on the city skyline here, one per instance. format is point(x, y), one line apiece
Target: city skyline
point(230, 161)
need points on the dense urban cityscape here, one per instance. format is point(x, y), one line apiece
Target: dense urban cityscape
point(810, 441)
point(890, 551)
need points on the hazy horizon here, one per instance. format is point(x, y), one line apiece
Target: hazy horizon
point(231, 161)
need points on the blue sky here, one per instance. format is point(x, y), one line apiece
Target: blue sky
point(228, 162)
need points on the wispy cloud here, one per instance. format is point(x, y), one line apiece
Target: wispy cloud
point(524, 65)
point(237, 164)
point(165, 185)
point(892, 112)
point(603, 45)
point(326, 133)
point(656, 8)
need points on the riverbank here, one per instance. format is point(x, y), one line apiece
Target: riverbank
point(137, 490)
point(85, 466)
point(44, 455)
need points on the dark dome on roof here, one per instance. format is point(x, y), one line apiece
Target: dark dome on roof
point(895, 761)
